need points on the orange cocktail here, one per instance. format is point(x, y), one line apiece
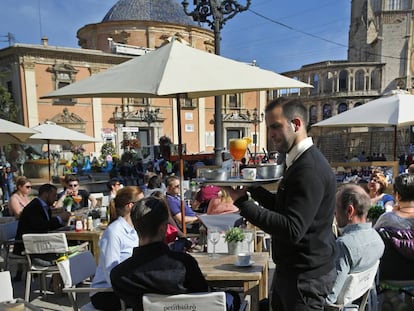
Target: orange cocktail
point(77, 198)
point(237, 148)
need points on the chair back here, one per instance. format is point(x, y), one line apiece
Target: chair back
point(77, 268)
point(8, 231)
point(45, 243)
point(357, 284)
point(214, 301)
point(6, 292)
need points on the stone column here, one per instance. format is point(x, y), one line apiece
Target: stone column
point(31, 94)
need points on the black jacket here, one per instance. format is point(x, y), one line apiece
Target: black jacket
point(154, 268)
point(299, 216)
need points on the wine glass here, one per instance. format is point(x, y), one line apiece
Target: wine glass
point(237, 148)
point(213, 236)
point(248, 237)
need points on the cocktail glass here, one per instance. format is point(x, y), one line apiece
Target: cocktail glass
point(237, 148)
point(77, 199)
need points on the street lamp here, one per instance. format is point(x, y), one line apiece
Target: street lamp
point(215, 13)
point(256, 119)
point(148, 115)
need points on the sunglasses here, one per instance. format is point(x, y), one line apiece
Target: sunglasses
point(28, 187)
point(176, 186)
point(73, 185)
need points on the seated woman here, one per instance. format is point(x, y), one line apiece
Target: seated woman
point(115, 246)
point(376, 190)
point(20, 198)
point(397, 230)
point(222, 204)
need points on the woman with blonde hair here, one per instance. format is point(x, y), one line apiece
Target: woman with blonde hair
point(376, 190)
point(223, 204)
point(116, 245)
point(20, 197)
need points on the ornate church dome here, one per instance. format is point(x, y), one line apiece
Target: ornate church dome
point(167, 11)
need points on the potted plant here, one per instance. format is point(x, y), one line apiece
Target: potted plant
point(234, 237)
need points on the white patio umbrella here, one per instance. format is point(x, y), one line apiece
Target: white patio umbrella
point(176, 70)
point(13, 133)
point(51, 133)
point(395, 110)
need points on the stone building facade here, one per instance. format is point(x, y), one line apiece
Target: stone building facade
point(380, 59)
point(130, 28)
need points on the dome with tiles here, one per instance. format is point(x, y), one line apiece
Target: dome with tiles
point(167, 11)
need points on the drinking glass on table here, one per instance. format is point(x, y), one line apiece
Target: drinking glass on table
point(238, 148)
point(213, 235)
point(248, 237)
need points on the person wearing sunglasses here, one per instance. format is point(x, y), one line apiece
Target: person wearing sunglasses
point(72, 189)
point(174, 203)
point(20, 197)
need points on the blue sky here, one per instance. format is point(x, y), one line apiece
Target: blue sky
point(280, 35)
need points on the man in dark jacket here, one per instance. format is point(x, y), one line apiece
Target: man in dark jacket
point(153, 267)
point(37, 217)
point(299, 216)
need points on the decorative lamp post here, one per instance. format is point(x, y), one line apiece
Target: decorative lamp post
point(149, 115)
point(256, 119)
point(215, 13)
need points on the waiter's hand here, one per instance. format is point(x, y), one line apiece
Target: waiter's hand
point(237, 193)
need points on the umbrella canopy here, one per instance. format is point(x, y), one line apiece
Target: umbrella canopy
point(390, 110)
point(176, 69)
point(51, 133)
point(396, 110)
point(13, 133)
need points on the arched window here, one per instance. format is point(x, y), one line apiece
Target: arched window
point(342, 107)
point(343, 80)
point(313, 117)
point(328, 82)
point(315, 83)
point(357, 104)
point(376, 79)
point(327, 111)
point(359, 80)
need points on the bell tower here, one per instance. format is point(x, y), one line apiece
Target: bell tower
point(381, 31)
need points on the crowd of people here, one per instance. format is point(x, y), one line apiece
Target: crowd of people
point(312, 263)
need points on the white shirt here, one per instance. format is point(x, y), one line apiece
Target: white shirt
point(297, 151)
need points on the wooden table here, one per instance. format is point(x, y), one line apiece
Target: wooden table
point(91, 236)
point(222, 272)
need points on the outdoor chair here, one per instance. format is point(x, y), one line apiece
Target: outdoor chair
point(77, 271)
point(38, 245)
point(7, 300)
point(357, 286)
point(213, 301)
point(7, 235)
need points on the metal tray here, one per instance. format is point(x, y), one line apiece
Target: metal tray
point(240, 182)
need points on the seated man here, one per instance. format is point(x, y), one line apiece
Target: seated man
point(72, 190)
point(37, 217)
point(359, 246)
point(153, 267)
point(174, 203)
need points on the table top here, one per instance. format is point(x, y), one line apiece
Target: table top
point(83, 233)
point(223, 268)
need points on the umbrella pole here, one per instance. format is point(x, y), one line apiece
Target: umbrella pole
point(48, 159)
point(395, 143)
point(181, 166)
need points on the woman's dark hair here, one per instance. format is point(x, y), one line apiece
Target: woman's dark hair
point(404, 186)
point(154, 182)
